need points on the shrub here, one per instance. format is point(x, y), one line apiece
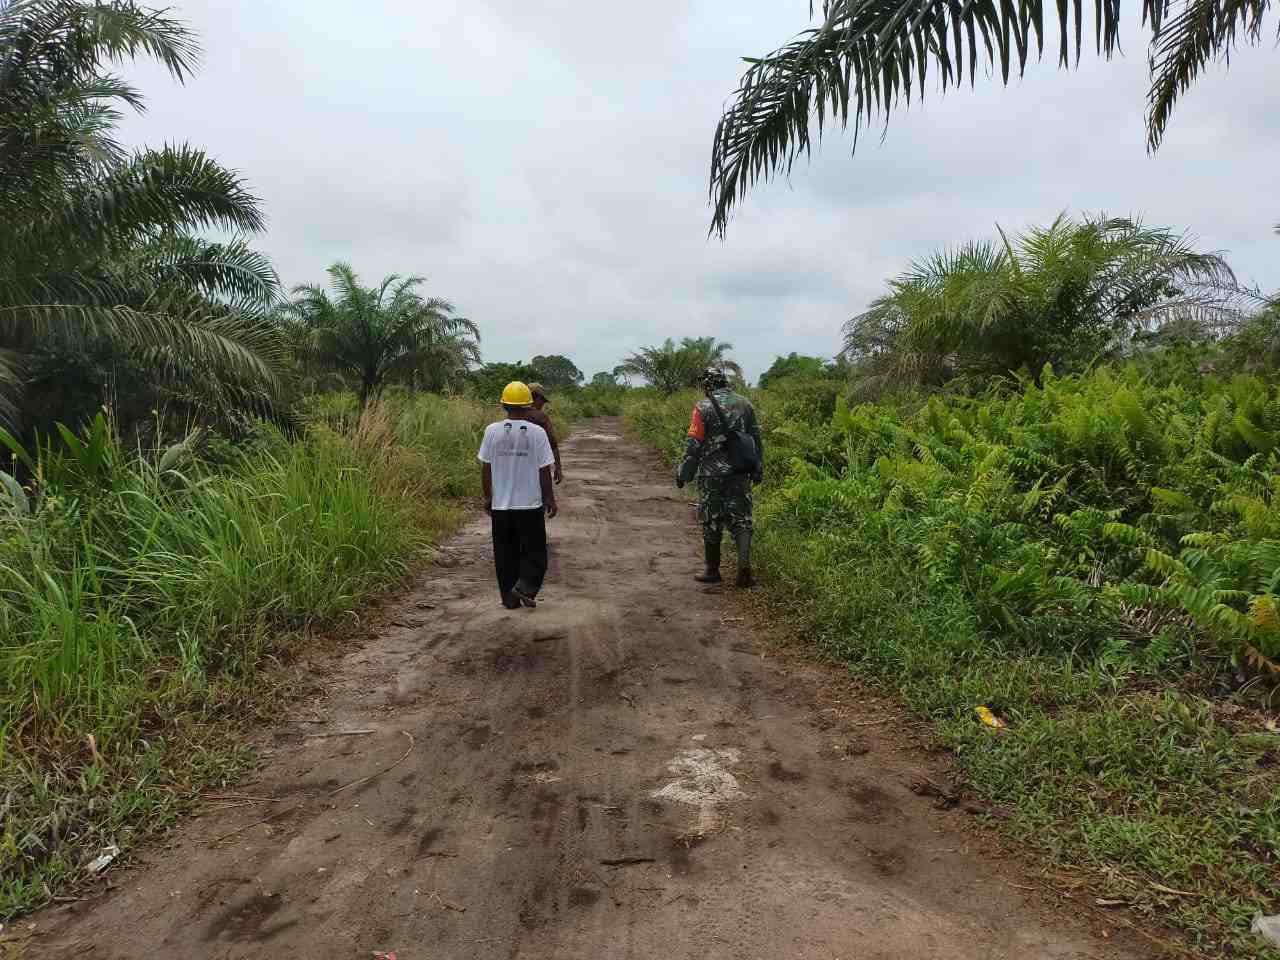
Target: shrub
point(1095, 558)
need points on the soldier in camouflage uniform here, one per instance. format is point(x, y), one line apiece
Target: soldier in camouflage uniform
point(725, 496)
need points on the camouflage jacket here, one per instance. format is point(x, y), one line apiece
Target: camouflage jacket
point(704, 446)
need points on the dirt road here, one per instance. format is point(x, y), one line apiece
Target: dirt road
point(617, 774)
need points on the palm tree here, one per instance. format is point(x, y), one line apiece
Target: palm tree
point(96, 244)
point(1063, 294)
point(446, 357)
point(671, 368)
point(374, 335)
point(703, 352)
point(662, 366)
point(868, 57)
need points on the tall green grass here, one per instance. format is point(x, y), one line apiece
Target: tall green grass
point(142, 595)
point(1006, 551)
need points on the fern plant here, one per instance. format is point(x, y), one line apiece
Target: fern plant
point(1228, 588)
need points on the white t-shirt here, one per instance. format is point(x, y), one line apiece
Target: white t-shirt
point(516, 450)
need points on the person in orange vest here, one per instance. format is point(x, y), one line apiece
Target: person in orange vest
point(725, 452)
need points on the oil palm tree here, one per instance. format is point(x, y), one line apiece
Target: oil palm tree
point(376, 335)
point(703, 352)
point(868, 57)
point(445, 357)
point(670, 367)
point(1065, 294)
point(96, 243)
point(663, 366)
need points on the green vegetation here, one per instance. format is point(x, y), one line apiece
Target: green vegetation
point(798, 368)
point(593, 400)
point(557, 373)
point(1093, 558)
point(1062, 505)
point(198, 478)
point(99, 259)
point(1068, 294)
point(569, 398)
point(372, 336)
point(670, 367)
point(867, 59)
point(145, 598)
point(1093, 555)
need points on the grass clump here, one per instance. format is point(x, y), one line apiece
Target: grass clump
point(1092, 558)
point(144, 596)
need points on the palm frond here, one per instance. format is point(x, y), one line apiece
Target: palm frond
point(96, 246)
point(1065, 293)
point(230, 273)
point(13, 380)
point(1204, 30)
point(74, 37)
point(174, 189)
point(234, 347)
point(869, 57)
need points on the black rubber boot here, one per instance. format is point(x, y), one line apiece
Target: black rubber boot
point(712, 573)
point(745, 577)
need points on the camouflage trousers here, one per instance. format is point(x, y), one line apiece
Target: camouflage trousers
point(724, 503)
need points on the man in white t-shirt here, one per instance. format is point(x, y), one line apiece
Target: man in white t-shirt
point(515, 471)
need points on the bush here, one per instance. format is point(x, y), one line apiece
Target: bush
point(1094, 558)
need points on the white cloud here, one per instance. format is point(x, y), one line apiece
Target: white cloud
point(544, 164)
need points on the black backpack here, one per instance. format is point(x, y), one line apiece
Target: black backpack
point(740, 446)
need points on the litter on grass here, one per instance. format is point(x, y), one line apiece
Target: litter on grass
point(100, 863)
point(1268, 928)
point(987, 717)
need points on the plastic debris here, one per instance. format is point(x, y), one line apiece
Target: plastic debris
point(101, 862)
point(987, 717)
point(390, 955)
point(1268, 928)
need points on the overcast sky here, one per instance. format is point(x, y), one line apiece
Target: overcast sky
point(543, 163)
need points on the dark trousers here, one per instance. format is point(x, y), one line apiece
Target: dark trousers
point(520, 549)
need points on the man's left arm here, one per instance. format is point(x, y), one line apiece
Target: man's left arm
point(693, 441)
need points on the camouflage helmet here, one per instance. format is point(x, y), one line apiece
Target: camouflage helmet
point(713, 378)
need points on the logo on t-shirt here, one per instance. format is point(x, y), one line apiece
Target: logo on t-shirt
point(513, 444)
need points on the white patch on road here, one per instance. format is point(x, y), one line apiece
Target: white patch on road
point(703, 781)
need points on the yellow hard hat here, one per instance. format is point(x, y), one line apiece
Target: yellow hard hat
point(516, 394)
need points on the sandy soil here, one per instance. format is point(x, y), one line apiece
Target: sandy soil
point(619, 773)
